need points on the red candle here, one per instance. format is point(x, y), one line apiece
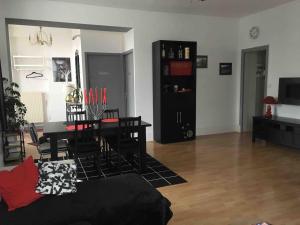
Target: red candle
point(86, 98)
point(101, 96)
point(104, 96)
point(96, 96)
point(91, 96)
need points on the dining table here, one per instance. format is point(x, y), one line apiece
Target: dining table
point(58, 130)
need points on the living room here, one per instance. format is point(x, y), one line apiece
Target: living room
point(230, 180)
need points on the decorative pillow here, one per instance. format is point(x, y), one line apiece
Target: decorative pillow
point(17, 187)
point(57, 178)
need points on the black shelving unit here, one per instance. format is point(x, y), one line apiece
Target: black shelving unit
point(174, 91)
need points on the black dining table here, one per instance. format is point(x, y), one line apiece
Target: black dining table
point(57, 130)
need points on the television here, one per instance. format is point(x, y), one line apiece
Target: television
point(289, 91)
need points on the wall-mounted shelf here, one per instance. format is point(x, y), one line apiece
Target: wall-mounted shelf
point(29, 62)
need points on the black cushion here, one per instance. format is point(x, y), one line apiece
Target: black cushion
point(81, 223)
point(119, 200)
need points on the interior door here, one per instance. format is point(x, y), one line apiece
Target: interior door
point(129, 84)
point(249, 89)
point(107, 70)
point(253, 87)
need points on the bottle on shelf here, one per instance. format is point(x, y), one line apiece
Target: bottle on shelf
point(171, 54)
point(163, 52)
point(180, 53)
point(187, 53)
point(176, 87)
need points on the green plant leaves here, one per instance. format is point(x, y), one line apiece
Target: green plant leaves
point(15, 109)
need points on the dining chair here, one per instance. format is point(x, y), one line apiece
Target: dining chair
point(87, 140)
point(75, 112)
point(109, 115)
point(43, 145)
point(129, 138)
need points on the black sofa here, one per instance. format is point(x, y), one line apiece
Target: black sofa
point(119, 200)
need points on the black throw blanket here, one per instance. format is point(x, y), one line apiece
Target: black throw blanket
point(119, 200)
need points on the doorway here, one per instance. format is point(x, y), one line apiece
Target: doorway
point(253, 84)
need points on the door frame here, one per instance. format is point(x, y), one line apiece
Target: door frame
point(243, 54)
point(130, 51)
point(3, 120)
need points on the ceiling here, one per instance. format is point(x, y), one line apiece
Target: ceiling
point(223, 8)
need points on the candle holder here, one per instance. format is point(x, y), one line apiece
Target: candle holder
point(95, 107)
point(96, 110)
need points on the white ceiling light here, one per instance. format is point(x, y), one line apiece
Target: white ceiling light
point(41, 38)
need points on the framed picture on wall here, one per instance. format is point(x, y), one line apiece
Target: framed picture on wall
point(225, 69)
point(61, 69)
point(202, 61)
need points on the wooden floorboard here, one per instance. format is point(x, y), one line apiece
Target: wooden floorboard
point(232, 181)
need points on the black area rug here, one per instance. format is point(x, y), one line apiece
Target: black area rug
point(156, 174)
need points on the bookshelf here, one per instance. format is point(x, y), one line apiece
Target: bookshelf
point(174, 90)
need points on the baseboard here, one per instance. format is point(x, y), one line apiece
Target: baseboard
point(217, 130)
point(204, 131)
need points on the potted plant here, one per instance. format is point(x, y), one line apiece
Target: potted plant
point(74, 95)
point(14, 108)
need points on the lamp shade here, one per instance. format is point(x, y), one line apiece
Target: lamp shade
point(270, 100)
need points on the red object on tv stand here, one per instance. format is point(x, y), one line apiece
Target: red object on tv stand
point(269, 100)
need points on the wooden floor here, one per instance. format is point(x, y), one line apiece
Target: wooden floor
point(231, 181)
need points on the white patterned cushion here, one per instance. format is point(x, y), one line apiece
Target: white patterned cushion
point(57, 178)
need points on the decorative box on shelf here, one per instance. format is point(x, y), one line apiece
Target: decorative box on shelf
point(181, 68)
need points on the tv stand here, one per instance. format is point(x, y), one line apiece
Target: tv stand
point(278, 130)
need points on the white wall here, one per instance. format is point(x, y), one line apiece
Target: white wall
point(62, 47)
point(102, 41)
point(280, 30)
point(216, 37)
point(128, 40)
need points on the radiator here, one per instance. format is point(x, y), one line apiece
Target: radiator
point(35, 104)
